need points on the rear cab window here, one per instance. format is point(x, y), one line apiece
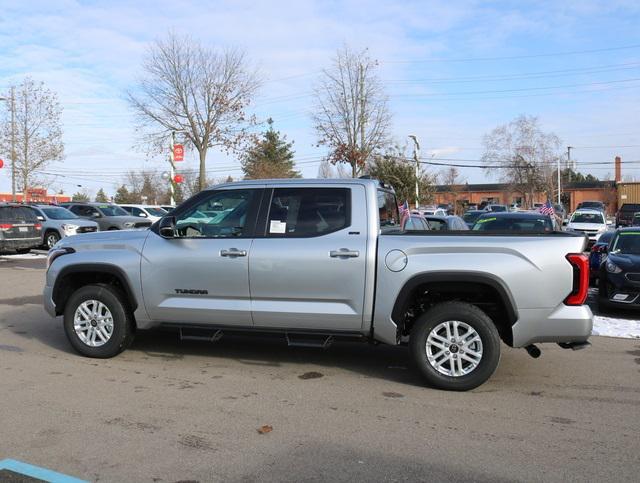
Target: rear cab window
point(388, 213)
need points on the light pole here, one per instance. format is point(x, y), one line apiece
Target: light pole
point(416, 157)
point(12, 107)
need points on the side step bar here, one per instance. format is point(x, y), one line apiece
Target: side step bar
point(203, 335)
point(302, 340)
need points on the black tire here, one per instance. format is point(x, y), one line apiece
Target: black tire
point(23, 251)
point(603, 296)
point(123, 323)
point(51, 238)
point(478, 321)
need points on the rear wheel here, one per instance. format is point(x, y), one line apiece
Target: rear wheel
point(98, 321)
point(455, 346)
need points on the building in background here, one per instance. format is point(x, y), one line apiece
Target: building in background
point(36, 195)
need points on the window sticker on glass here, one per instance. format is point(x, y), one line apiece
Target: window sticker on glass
point(278, 226)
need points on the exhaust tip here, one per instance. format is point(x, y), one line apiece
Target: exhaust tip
point(534, 351)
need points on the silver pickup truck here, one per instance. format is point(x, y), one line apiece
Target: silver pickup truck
point(319, 260)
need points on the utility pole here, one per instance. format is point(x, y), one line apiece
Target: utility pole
point(172, 170)
point(12, 111)
point(13, 145)
point(362, 116)
point(569, 148)
point(416, 157)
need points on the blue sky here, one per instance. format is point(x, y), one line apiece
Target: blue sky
point(453, 71)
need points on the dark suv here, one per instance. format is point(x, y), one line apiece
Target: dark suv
point(624, 217)
point(20, 229)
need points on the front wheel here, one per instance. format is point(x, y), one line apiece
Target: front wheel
point(455, 346)
point(51, 238)
point(98, 321)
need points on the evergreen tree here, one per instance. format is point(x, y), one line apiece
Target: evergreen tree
point(80, 196)
point(269, 157)
point(101, 196)
point(122, 195)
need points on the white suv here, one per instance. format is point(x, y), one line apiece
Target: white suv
point(590, 222)
point(152, 213)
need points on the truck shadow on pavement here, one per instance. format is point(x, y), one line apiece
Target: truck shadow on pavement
point(391, 363)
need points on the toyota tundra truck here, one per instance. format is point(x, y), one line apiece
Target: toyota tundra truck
point(321, 260)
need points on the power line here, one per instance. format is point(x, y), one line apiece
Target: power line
point(514, 57)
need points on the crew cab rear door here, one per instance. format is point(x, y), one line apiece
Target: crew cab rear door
point(308, 261)
point(201, 275)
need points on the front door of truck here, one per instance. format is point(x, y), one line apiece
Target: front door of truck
point(201, 275)
point(307, 269)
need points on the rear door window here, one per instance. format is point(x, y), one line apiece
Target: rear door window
point(308, 212)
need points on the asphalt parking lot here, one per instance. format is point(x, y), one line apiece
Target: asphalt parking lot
point(168, 411)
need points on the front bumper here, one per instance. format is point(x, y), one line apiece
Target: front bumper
point(563, 324)
point(618, 290)
point(49, 305)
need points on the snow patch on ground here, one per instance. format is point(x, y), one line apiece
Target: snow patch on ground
point(611, 327)
point(26, 256)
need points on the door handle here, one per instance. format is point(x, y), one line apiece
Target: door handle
point(233, 252)
point(344, 253)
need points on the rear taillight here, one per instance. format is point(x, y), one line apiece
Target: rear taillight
point(38, 226)
point(580, 264)
point(5, 226)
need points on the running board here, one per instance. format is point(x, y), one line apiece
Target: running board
point(304, 340)
point(199, 334)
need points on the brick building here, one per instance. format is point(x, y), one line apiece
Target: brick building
point(37, 195)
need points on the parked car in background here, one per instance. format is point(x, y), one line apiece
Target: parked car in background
point(471, 216)
point(151, 212)
point(415, 223)
point(625, 214)
point(58, 222)
point(635, 221)
point(446, 207)
point(592, 205)
point(20, 229)
point(599, 253)
point(107, 216)
point(588, 221)
point(446, 223)
point(429, 211)
point(496, 208)
point(167, 208)
point(619, 281)
point(528, 222)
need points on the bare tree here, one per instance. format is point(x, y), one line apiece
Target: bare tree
point(525, 156)
point(37, 131)
point(351, 115)
point(200, 92)
point(451, 178)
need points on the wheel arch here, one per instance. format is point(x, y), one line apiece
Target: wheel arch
point(73, 277)
point(464, 286)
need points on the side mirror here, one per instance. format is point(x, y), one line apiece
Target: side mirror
point(142, 215)
point(40, 218)
point(95, 214)
point(167, 228)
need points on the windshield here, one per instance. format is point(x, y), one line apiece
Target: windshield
point(470, 217)
point(587, 218)
point(112, 210)
point(541, 224)
point(58, 213)
point(497, 208)
point(155, 211)
point(627, 242)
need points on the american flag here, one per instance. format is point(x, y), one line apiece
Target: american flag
point(547, 209)
point(404, 212)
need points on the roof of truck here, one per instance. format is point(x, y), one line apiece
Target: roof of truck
point(304, 181)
